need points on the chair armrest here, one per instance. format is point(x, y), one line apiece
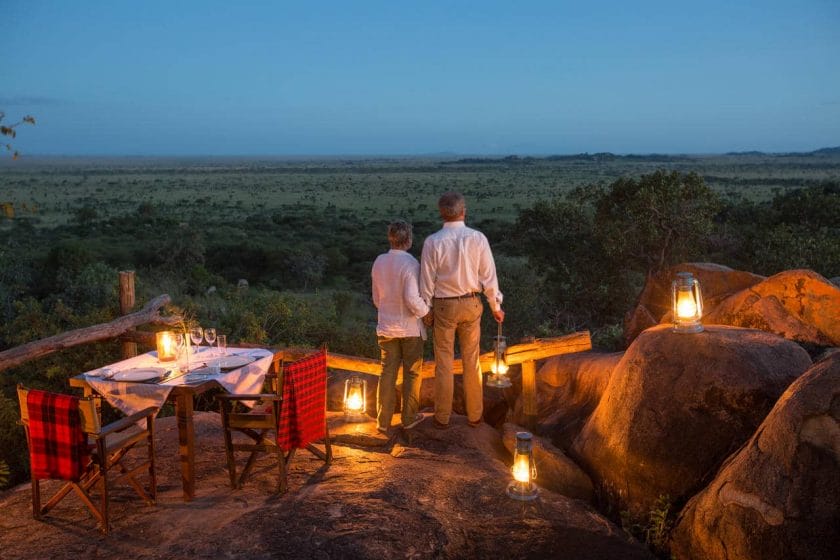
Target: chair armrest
point(126, 422)
point(262, 397)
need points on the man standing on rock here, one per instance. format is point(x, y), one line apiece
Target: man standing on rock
point(455, 268)
point(399, 328)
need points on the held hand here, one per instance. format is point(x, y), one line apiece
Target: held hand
point(499, 315)
point(429, 319)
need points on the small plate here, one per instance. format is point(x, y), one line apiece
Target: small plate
point(231, 362)
point(139, 374)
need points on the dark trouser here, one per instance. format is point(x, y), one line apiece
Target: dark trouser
point(408, 353)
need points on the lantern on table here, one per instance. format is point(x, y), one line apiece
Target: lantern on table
point(355, 399)
point(524, 470)
point(499, 367)
point(166, 348)
point(687, 303)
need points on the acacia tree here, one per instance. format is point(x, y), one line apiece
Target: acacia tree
point(597, 245)
point(657, 220)
point(11, 132)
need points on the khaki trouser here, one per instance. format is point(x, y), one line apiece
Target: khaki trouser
point(461, 316)
point(408, 353)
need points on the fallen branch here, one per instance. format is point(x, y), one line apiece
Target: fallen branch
point(36, 349)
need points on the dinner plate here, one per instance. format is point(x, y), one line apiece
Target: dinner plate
point(231, 362)
point(139, 374)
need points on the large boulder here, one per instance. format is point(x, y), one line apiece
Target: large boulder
point(677, 405)
point(569, 387)
point(555, 471)
point(717, 282)
point(778, 497)
point(799, 305)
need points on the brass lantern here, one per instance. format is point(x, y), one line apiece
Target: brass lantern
point(355, 399)
point(166, 348)
point(524, 470)
point(687, 303)
point(499, 367)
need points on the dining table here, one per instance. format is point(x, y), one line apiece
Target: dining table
point(141, 381)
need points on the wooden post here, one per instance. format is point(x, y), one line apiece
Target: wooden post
point(529, 393)
point(127, 300)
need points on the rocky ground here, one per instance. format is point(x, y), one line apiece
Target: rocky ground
point(441, 495)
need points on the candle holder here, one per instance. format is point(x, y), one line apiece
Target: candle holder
point(165, 343)
point(524, 470)
point(687, 303)
point(499, 367)
point(355, 399)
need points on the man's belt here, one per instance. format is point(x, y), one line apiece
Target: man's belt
point(465, 296)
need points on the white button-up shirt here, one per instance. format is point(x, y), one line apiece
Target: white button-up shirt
point(396, 294)
point(456, 261)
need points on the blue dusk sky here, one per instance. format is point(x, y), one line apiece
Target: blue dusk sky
point(181, 77)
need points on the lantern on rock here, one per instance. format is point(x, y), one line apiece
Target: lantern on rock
point(524, 470)
point(166, 348)
point(499, 367)
point(355, 401)
point(687, 303)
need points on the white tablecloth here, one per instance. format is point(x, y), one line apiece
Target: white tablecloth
point(132, 397)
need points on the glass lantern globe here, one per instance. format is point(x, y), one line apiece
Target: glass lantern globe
point(687, 303)
point(355, 399)
point(166, 347)
point(499, 367)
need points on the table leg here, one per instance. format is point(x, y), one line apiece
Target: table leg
point(186, 443)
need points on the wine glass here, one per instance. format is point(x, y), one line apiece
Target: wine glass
point(210, 336)
point(182, 356)
point(196, 334)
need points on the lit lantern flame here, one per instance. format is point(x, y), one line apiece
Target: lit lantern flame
point(499, 366)
point(165, 343)
point(354, 400)
point(522, 469)
point(686, 306)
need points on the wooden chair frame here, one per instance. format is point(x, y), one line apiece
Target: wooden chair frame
point(109, 446)
point(259, 425)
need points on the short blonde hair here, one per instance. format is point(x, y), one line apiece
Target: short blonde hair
point(399, 234)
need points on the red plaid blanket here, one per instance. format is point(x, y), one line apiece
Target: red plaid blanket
point(304, 402)
point(57, 445)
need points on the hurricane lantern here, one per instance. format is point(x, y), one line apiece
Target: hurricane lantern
point(687, 303)
point(165, 342)
point(499, 367)
point(355, 392)
point(524, 470)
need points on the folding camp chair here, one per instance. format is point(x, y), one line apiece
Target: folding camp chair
point(67, 442)
point(294, 414)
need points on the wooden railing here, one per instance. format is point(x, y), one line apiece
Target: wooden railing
point(525, 354)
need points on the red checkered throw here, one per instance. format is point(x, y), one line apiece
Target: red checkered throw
point(304, 402)
point(57, 445)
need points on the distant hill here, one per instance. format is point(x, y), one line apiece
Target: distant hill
point(609, 156)
point(827, 152)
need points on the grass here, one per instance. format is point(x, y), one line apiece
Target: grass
point(51, 192)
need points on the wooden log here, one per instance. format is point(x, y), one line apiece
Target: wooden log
point(36, 349)
point(127, 302)
point(145, 338)
point(354, 363)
